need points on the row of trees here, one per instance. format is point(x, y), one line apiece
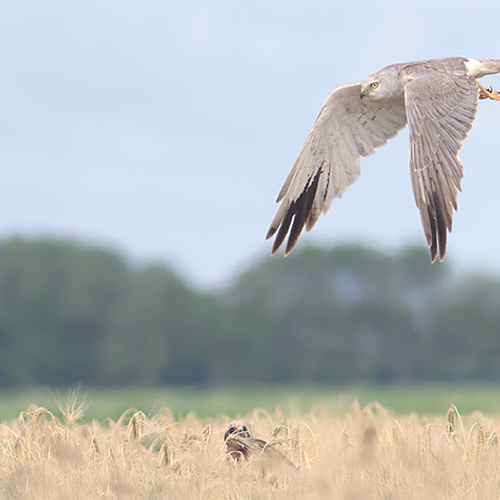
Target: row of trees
point(71, 313)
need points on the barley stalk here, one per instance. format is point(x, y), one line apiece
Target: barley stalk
point(366, 453)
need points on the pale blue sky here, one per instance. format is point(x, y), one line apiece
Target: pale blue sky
point(166, 129)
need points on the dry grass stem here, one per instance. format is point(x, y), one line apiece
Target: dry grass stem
point(367, 453)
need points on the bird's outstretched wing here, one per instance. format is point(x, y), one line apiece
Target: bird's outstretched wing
point(347, 127)
point(440, 108)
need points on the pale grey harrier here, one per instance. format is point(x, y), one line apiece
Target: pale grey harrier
point(437, 98)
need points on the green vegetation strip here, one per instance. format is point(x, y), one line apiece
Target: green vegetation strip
point(427, 399)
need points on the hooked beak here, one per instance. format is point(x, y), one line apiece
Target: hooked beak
point(363, 93)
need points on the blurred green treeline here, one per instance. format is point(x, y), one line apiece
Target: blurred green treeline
point(73, 313)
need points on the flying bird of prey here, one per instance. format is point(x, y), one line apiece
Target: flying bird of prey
point(437, 98)
point(240, 444)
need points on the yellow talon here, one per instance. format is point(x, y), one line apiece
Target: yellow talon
point(486, 94)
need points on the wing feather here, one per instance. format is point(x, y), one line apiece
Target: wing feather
point(441, 108)
point(346, 129)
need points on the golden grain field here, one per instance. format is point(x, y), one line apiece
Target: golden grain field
point(364, 454)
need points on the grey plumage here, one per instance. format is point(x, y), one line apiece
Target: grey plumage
point(437, 98)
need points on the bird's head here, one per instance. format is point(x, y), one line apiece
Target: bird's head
point(382, 85)
point(237, 429)
point(368, 89)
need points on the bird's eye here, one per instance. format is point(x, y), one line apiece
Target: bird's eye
point(374, 85)
point(231, 430)
point(244, 429)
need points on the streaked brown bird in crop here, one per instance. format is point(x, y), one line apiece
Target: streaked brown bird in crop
point(240, 443)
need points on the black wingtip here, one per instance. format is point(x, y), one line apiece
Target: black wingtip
point(283, 230)
point(433, 249)
point(439, 229)
point(298, 212)
point(433, 246)
point(442, 251)
point(271, 232)
point(442, 227)
point(304, 205)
